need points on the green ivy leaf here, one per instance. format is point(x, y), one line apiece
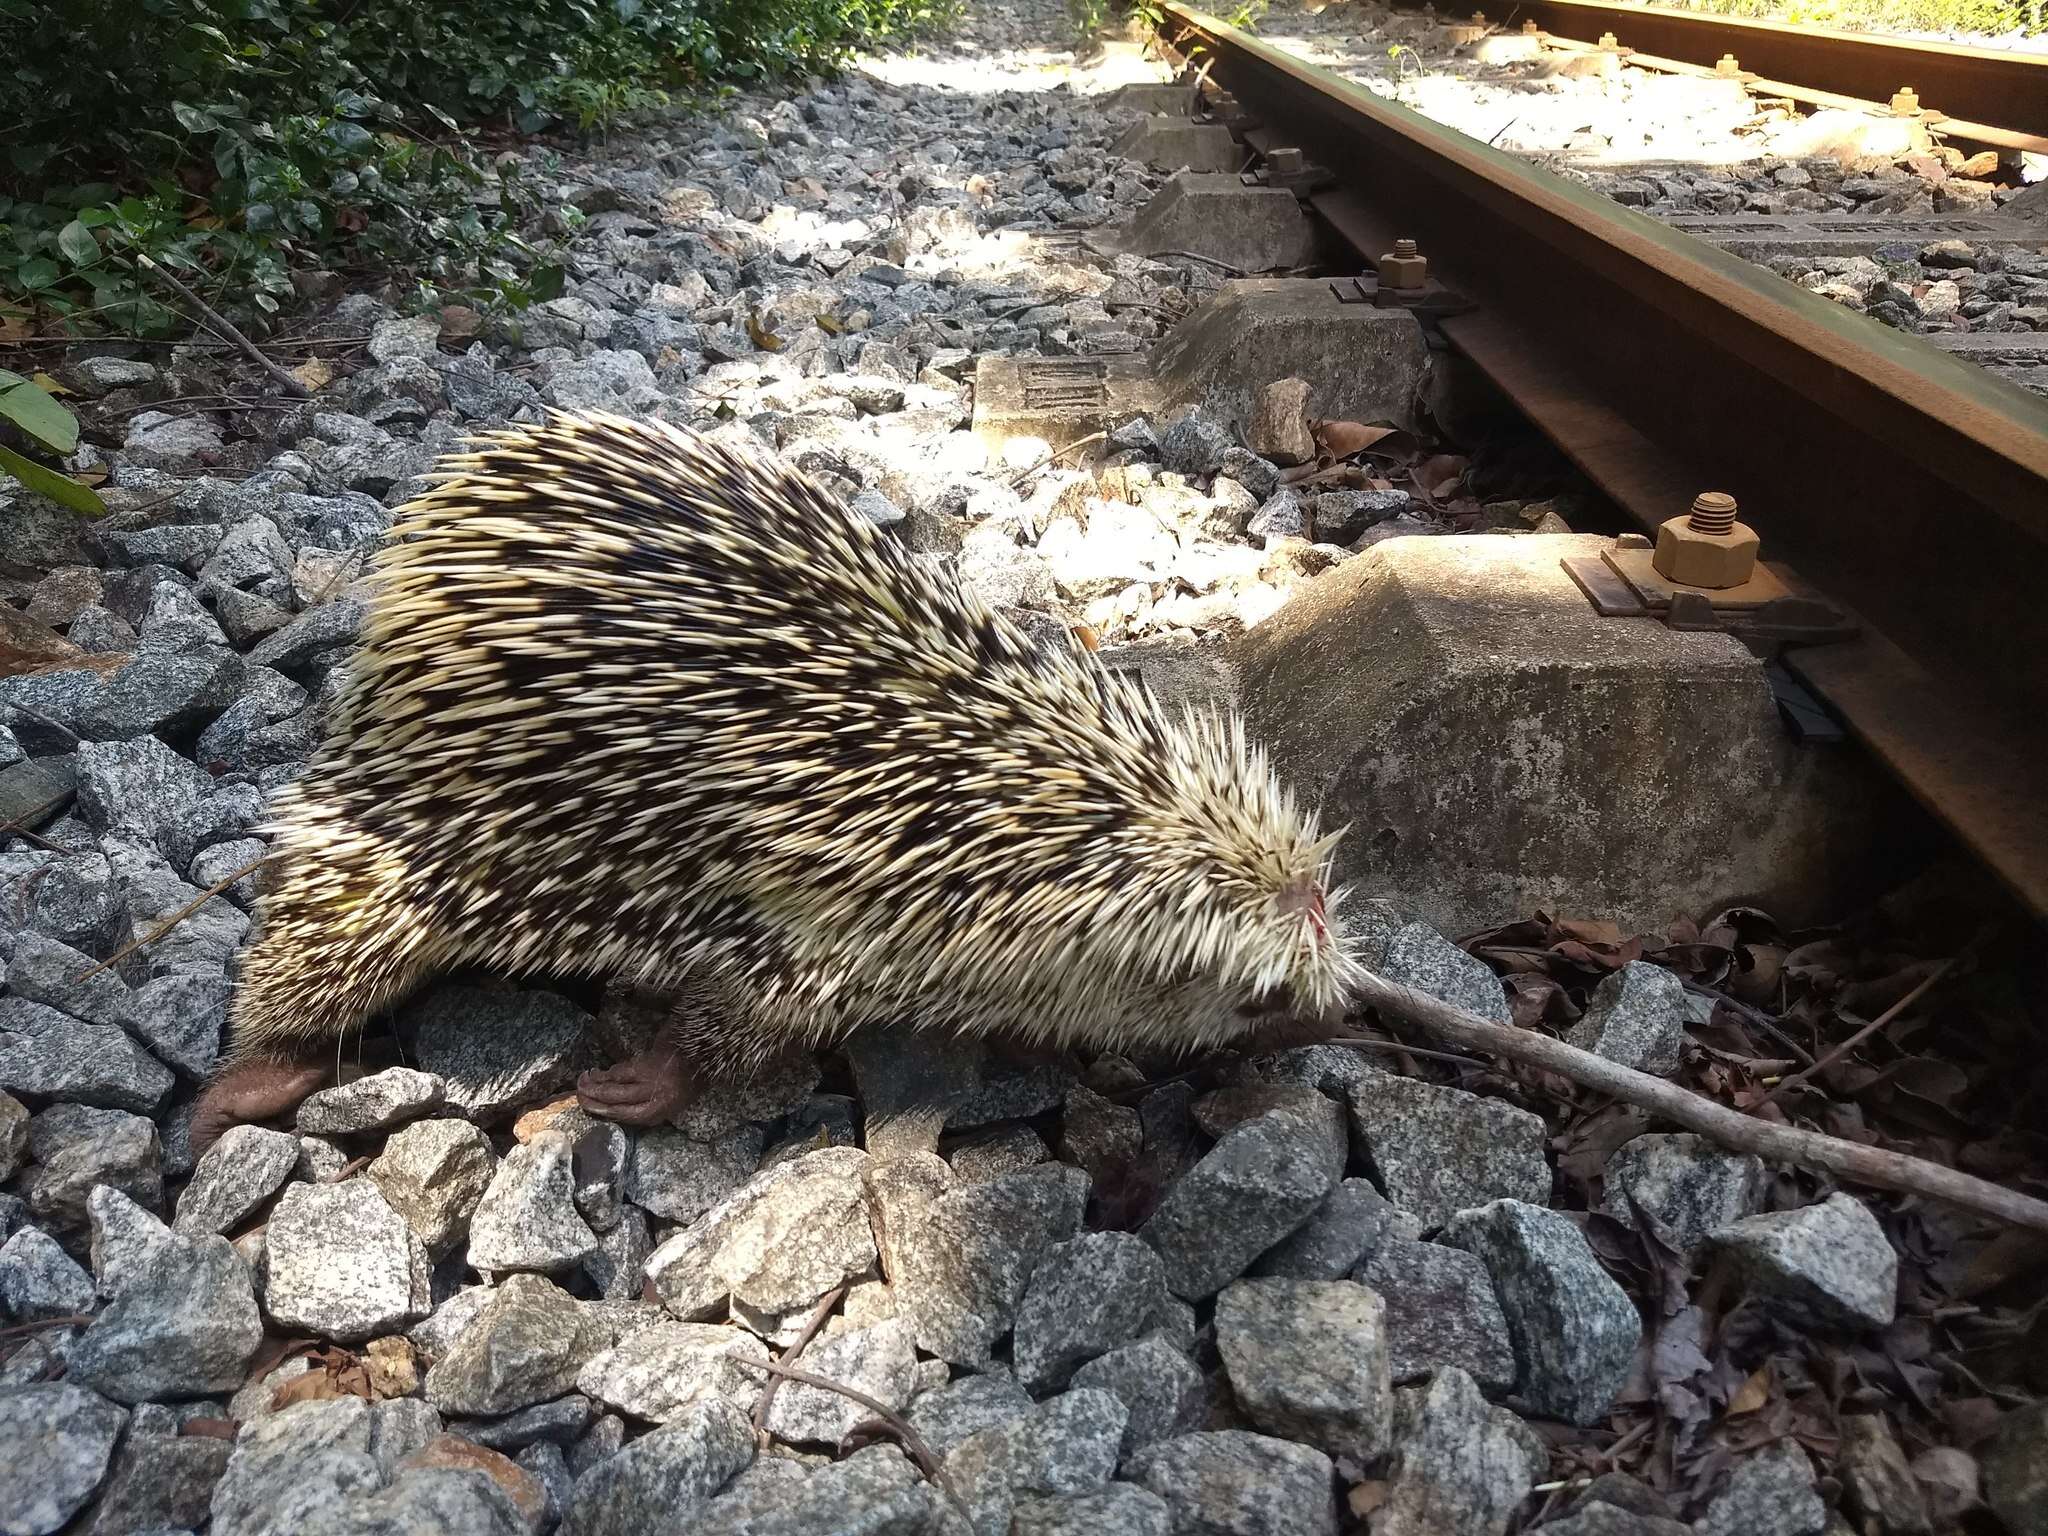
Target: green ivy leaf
point(37, 414)
point(77, 244)
point(47, 482)
point(546, 283)
point(36, 273)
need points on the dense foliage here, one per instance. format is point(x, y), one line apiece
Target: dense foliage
point(231, 138)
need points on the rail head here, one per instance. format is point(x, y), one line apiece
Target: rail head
point(1994, 433)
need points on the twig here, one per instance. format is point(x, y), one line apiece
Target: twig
point(1756, 1018)
point(174, 919)
point(1731, 1128)
point(152, 405)
point(19, 826)
point(221, 328)
point(1413, 1050)
point(1055, 456)
point(1231, 268)
point(75, 1320)
point(920, 1452)
point(1861, 1035)
point(788, 1357)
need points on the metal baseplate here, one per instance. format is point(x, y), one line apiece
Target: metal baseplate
point(1290, 170)
point(1767, 613)
point(1432, 301)
point(1771, 610)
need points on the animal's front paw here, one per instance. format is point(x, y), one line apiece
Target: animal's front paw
point(250, 1091)
point(651, 1088)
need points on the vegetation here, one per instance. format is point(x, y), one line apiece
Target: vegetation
point(1090, 16)
point(232, 139)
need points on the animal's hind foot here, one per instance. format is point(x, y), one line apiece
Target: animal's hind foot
point(651, 1088)
point(250, 1091)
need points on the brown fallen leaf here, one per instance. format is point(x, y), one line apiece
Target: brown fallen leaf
point(761, 336)
point(315, 373)
point(1366, 1497)
point(335, 1373)
point(1341, 439)
point(459, 322)
point(1755, 1392)
point(1440, 473)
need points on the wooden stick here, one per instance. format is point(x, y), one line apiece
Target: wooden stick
point(1055, 456)
point(815, 1322)
point(1767, 1139)
point(920, 1451)
point(221, 328)
point(1861, 1035)
point(174, 919)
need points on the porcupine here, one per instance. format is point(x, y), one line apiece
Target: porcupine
point(635, 703)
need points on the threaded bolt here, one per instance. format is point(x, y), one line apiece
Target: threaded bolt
point(1726, 65)
point(1609, 41)
point(1713, 512)
point(1530, 29)
point(1403, 269)
point(1906, 101)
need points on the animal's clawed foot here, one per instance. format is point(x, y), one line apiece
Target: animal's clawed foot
point(648, 1089)
point(250, 1091)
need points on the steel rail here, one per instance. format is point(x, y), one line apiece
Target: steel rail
point(1904, 484)
point(1946, 124)
point(1994, 86)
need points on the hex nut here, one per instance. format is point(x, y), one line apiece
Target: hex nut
point(1711, 560)
point(1403, 268)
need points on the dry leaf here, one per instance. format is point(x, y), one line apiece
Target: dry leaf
point(830, 326)
point(1754, 1394)
point(1439, 473)
point(1341, 439)
point(393, 1369)
point(459, 322)
point(314, 373)
point(761, 336)
point(335, 1373)
point(15, 325)
point(48, 385)
point(1366, 1497)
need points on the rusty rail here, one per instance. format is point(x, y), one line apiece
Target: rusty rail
point(1908, 486)
point(1992, 86)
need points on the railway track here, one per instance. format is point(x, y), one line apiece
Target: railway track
point(1906, 487)
point(1987, 96)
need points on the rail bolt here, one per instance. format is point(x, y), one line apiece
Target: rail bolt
point(1610, 42)
point(1906, 101)
point(1530, 29)
point(1726, 65)
point(1404, 269)
point(1707, 547)
point(1284, 163)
